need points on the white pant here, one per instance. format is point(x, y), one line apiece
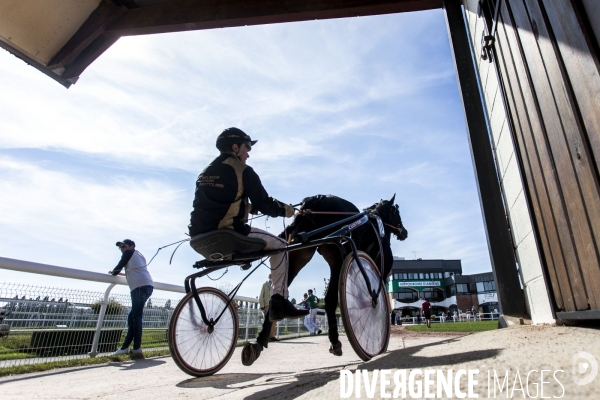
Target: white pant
point(313, 319)
point(308, 324)
point(279, 262)
point(310, 321)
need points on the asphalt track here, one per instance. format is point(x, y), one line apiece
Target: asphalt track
point(303, 368)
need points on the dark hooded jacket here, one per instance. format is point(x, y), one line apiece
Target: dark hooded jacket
point(225, 192)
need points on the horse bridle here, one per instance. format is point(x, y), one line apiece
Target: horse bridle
point(394, 227)
point(303, 212)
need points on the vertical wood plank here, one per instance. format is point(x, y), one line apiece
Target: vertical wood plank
point(592, 9)
point(581, 72)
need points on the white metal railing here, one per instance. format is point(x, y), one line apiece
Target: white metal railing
point(73, 309)
point(45, 269)
point(458, 318)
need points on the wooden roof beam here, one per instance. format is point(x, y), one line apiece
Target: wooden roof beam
point(187, 15)
point(106, 14)
point(88, 56)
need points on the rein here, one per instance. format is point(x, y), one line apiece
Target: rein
point(302, 212)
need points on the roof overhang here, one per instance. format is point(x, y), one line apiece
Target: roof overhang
point(62, 38)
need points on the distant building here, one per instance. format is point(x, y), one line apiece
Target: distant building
point(440, 282)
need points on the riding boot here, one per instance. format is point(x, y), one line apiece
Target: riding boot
point(281, 308)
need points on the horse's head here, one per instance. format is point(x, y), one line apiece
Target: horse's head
point(390, 216)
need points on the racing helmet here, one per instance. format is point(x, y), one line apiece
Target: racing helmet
point(231, 136)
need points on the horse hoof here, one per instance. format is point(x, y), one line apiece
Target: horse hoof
point(250, 353)
point(336, 349)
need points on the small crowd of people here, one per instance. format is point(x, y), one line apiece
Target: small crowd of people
point(425, 313)
point(310, 302)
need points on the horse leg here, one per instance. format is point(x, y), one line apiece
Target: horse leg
point(332, 255)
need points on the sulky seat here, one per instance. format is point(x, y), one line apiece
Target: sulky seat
point(223, 243)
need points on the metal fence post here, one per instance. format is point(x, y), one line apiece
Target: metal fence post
point(247, 320)
point(94, 350)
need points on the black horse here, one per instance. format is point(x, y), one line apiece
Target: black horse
point(366, 239)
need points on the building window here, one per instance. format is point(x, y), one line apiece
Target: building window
point(406, 295)
point(450, 290)
point(486, 287)
point(432, 294)
point(462, 288)
point(421, 275)
point(411, 276)
point(404, 276)
point(427, 275)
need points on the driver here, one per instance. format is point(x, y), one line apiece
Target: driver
point(221, 201)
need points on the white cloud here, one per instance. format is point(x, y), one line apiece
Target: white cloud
point(70, 212)
point(150, 97)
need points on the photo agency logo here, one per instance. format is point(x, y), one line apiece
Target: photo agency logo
point(585, 368)
point(470, 384)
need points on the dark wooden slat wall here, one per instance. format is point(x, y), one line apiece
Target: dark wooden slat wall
point(575, 179)
point(576, 105)
point(519, 97)
point(550, 77)
point(581, 65)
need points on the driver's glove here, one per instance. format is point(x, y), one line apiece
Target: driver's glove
point(289, 210)
point(250, 209)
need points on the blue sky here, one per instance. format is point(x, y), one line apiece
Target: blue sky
point(360, 107)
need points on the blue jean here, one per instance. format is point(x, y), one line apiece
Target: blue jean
point(139, 296)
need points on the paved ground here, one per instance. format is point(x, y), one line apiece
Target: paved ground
point(303, 368)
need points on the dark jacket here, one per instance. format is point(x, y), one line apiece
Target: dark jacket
point(222, 193)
